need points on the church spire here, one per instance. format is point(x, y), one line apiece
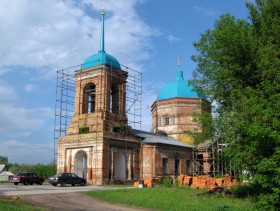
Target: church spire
point(179, 72)
point(102, 38)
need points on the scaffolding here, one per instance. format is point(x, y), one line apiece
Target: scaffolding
point(208, 159)
point(66, 88)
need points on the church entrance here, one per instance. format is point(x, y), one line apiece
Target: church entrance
point(119, 166)
point(80, 164)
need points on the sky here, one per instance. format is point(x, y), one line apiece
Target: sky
point(39, 37)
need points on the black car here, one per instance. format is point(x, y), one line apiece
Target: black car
point(66, 178)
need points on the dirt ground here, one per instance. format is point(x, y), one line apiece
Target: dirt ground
point(75, 202)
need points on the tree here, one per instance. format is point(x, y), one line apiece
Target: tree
point(239, 70)
point(3, 160)
point(43, 170)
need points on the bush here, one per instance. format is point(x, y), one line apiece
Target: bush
point(246, 190)
point(241, 191)
point(166, 182)
point(176, 182)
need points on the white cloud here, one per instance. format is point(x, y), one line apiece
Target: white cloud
point(204, 10)
point(23, 152)
point(4, 70)
point(150, 92)
point(29, 87)
point(7, 93)
point(60, 34)
point(172, 38)
point(18, 119)
point(43, 36)
point(38, 33)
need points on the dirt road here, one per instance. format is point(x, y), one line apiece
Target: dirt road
point(74, 202)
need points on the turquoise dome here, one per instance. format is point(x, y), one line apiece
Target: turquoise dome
point(179, 89)
point(99, 59)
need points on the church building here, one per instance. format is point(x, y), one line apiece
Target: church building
point(174, 110)
point(100, 145)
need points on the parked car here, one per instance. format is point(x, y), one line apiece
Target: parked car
point(66, 178)
point(26, 178)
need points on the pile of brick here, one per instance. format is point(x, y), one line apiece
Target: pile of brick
point(180, 179)
point(150, 182)
point(202, 182)
point(229, 182)
point(137, 183)
point(188, 180)
point(220, 182)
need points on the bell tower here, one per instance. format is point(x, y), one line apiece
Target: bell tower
point(97, 141)
point(100, 94)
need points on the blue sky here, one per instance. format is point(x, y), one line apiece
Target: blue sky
point(37, 38)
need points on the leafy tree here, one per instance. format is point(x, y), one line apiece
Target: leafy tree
point(204, 121)
point(43, 170)
point(239, 70)
point(3, 160)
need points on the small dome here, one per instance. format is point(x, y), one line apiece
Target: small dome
point(99, 59)
point(179, 89)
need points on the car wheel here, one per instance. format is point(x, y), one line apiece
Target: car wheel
point(40, 183)
point(73, 184)
point(25, 182)
point(31, 183)
point(82, 183)
point(54, 184)
point(63, 184)
point(16, 183)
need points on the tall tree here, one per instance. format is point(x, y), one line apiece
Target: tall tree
point(239, 70)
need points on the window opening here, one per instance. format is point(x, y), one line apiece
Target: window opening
point(159, 121)
point(165, 165)
point(166, 119)
point(114, 99)
point(173, 120)
point(188, 166)
point(177, 163)
point(89, 98)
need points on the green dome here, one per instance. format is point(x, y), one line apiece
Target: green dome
point(179, 89)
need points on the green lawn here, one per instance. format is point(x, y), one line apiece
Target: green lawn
point(16, 205)
point(175, 198)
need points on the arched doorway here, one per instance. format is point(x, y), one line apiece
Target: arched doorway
point(80, 164)
point(119, 166)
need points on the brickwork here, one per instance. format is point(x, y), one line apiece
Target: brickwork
point(108, 155)
point(102, 119)
point(100, 144)
point(180, 112)
point(153, 155)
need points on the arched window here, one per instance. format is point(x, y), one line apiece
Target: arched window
point(114, 99)
point(166, 119)
point(89, 98)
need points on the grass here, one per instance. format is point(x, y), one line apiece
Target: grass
point(118, 186)
point(175, 198)
point(16, 205)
